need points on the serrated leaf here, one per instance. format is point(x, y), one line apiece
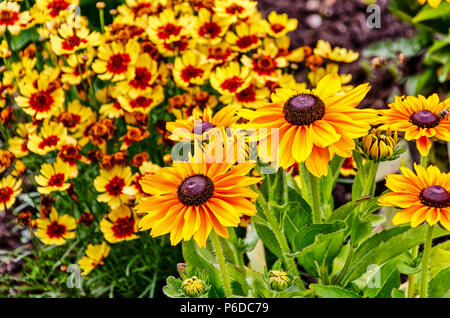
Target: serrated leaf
point(326, 291)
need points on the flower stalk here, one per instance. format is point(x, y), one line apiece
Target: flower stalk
point(426, 262)
point(222, 265)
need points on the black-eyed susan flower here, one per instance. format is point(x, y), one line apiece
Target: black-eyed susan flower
point(115, 60)
point(11, 18)
point(111, 184)
point(235, 10)
point(119, 225)
point(337, 54)
point(95, 254)
point(420, 118)
point(379, 145)
point(50, 137)
point(278, 280)
point(190, 199)
point(56, 229)
point(277, 25)
point(193, 287)
point(432, 3)
point(313, 125)
point(190, 69)
point(423, 196)
point(10, 188)
point(53, 177)
point(231, 79)
point(245, 37)
point(209, 28)
point(41, 100)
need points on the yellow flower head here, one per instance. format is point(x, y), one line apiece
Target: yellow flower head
point(10, 188)
point(70, 40)
point(111, 184)
point(51, 137)
point(11, 18)
point(95, 254)
point(209, 28)
point(190, 69)
point(245, 38)
point(324, 50)
point(423, 196)
point(56, 229)
point(277, 25)
point(53, 177)
point(235, 10)
point(432, 3)
point(119, 225)
point(231, 79)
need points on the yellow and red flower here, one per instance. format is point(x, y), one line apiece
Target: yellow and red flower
point(56, 229)
point(190, 69)
point(53, 177)
point(235, 10)
point(95, 254)
point(231, 79)
point(246, 37)
point(11, 18)
point(277, 25)
point(70, 40)
point(111, 184)
point(119, 225)
point(51, 137)
point(10, 188)
point(423, 196)
point(209, 28)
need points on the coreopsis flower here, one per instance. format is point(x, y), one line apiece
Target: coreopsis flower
point(218, 54)
point(284, 81)
point(331, 68)
point(423, 196)
point(78, 67)
point(135, 189)
point(53, 177)
point(86, 218)
point(75, 116)
point(190, 69)
point(283, 44)
point(6, 159)
point(348, 167)
point(99, 132)
point(209, 28)
point(337, 54)
point(140, 7)
point(56, 229)
point(10, 188)
point(167, 28)
point(111, 184)
point(250, 97)
point(139, 159)
point(95, 254)
point(144, 102)
point(190, 199)
point(141, 76)
point(4, 50)
point(54, 8)
point(432, 3)
point(19, 168)
point(422, 119)
point(231, 79)
point(114, 60)
point(134, 134)
point(313, 125)
point(277, 25)
point(41, 100)
point(51, 137)
point(235, 10)
point(18, 144)
point(197, 126)
point(70, 154)
point(380, 145)
point(119, 225)
point(11, 18)
point(70, 40)
point(245, 38)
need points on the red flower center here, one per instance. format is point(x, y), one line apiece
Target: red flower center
point(210, 30)
point(56, 6)
point(72, 42)
point(277, 28)
point(56, 180)
point(234, 9)
point(191, 72)
point(232, 84)
point(56, 230)
point(123, 227)
point(141, 101)
point(164, 32)
point(142, 78)
point(115, 186)
point(247, 95)
point(48, 142)
point(264, 65)
point(8, 17)
point(246, 41)
point(179, 45)
point(41, 101)
point(118, 63)
point(5, 194)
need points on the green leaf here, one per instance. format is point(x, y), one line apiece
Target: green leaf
point(173, 288)
point(326, 291)
point(383, 281)
point(439, 286)
point(429, 13)
point(440, 258)
point(384, 246)
point(296, 215)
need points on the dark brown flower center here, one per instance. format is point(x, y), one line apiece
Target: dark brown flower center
point(435, 196)
point(56, 230)
point(195, 190)
point(115, 186)
point(303, 109)
point(424, 119)
point(202, 127)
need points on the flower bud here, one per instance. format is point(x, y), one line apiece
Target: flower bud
point(279, 280)
point(193, 287)
point(379, 145)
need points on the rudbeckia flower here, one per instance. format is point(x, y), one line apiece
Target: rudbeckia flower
point(40, 101)
point(95, 254)
point(51, 137)
point(324, 50)
point(432, 3)
point(190, 69)
point(11, 18)
point(190, 199)
point(423, 196)
point(314, 124)
point(53, 177)
point(10, 188)
point(420, 118)
point(119, 225)
point(56, 229)
point(114, 60)
point(209, 28)
point(246, 37)
point(111, 184)
point(277, 25)
point(235, 10)
point(231, 79)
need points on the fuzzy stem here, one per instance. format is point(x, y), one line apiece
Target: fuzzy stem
point(424, 161)
point(425, 262)
point(412, 277)
point(315, 198)
point(222, 265)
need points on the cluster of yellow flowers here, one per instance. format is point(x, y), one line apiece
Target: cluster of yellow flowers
point(74, 99)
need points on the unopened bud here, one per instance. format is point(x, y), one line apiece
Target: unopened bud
point(279, 280)
point(193, 287)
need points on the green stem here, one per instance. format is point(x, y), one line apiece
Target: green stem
point(425, 262)
point(315, 199)
point(102, 19)
point(222, 265)
point(369, 186)
point(412, 277)
point(285, 250)
point(303, 173)
point(424, 161)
